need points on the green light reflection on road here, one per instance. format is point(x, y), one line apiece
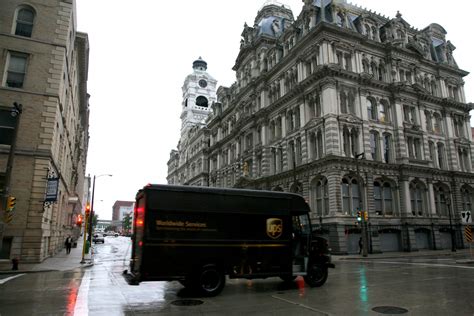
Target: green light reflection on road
point(363, 290)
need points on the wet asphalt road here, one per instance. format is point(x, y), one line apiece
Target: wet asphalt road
point(418, 286)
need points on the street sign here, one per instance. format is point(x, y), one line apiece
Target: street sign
point(466, 217)
point(468, 233)
point(52, 189)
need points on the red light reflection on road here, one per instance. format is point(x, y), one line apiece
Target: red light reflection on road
point(72, 297)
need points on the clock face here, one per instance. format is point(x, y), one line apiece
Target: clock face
point(202, 83)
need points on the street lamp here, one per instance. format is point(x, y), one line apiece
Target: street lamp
point(92, 205)
point(453, 237)
point(363, 221)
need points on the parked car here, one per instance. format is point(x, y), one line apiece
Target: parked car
point(97, 238)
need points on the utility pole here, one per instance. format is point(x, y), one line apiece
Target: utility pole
point(15, 113)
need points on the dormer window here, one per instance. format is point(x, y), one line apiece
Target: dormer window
point(24, 22)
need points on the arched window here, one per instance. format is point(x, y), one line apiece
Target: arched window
point(383, 198)
point(351, 200)
point(384, 112)
point(24, 21)
point(441, 197)
point(319, 189)
point(417, 198)
point(371, 109)
point(201, 101)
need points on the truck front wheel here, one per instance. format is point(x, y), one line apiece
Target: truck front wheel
point(210, 280)
point(317, 275)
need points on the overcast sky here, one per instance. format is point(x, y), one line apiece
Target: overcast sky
point(142, 50)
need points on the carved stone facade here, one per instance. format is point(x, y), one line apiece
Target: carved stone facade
point(44, 66)
point(355, 111)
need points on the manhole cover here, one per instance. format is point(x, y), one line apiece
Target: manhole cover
point(187, 302)
point(390, 310)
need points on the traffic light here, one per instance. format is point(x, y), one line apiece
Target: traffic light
point(366, 215)
point(79, 220)
point(11, 201)
point(88, 209)
point(359, 216)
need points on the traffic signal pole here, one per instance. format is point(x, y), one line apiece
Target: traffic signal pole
point(16, 113)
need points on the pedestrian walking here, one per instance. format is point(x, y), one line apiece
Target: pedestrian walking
point(68, 244)
point(360, 245)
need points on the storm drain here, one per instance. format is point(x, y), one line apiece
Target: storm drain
point(390, 310)
point(187, 302)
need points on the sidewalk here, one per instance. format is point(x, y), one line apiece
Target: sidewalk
point(59, 262)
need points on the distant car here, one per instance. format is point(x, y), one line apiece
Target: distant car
point(97, 238)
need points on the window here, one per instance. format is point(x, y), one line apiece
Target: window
point(384, 113)
point(24, 22)
point(374, 145)
point(438, 124)
point(319, 189)
point(441, 163)
point(351, 201)
point(383, 198)
point(371, 109)
point(441, 197)
point(16, 70)
point(417, 198)
point(201, 101)
point(387, 145)
point(429, 123)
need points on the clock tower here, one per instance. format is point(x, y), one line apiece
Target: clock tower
point(199, 92)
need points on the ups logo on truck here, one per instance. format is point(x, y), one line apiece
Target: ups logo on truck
point(274, 227)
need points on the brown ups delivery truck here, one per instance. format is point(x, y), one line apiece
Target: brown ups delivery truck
point(200, 235)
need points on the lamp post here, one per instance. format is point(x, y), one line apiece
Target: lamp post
point(92, 205)
point(363, 222)
point(453, 237)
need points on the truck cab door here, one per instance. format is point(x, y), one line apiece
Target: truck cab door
point(300, 238)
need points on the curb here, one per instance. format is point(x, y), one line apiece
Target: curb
point(388, 256)
point(85, 265)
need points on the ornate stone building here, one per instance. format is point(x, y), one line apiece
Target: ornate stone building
point(353, 110)
point(44, 67)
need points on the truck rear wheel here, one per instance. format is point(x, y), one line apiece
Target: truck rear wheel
point(210, 280)
point(317, 275)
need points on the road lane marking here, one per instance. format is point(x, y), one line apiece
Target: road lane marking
point(2, 281)
point(300, 305)
point(420, 264)
point(82, 304)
